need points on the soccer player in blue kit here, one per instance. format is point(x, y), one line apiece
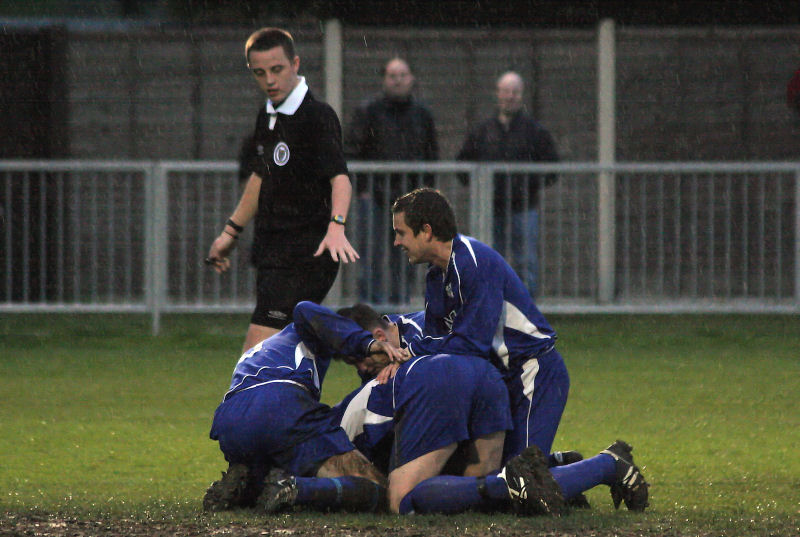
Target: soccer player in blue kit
point(475, 304)
point(271, 416)
point(434, 404)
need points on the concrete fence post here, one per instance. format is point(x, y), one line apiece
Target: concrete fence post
point(606, 135)
point(481, 209)
point(797, 239)
point(333, 53)
point(156, 237)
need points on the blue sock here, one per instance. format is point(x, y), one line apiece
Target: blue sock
point(449, 494)
point(346, 493)
point(581, 476)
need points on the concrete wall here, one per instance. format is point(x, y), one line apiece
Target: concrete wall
point(683, 94)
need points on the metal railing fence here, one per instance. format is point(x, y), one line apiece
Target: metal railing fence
point(130, 236)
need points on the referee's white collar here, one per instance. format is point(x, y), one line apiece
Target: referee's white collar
point(292, 102)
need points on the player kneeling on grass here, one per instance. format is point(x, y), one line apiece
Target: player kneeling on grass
point(272, 417)
point(438, 402)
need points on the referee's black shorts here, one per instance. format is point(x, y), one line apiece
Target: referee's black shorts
point(278, 290)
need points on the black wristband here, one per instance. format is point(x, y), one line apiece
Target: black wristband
point(236, 227)
point(235, 237)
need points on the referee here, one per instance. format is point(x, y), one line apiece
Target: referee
point(298, 194)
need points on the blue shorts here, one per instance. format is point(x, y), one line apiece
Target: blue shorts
point(445, 399)
point(278, 424)
point(538, 397)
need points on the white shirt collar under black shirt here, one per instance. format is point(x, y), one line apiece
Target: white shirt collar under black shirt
point(290, 104)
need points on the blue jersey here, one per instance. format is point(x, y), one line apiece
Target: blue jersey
point(326, 332)
point(366, 413)
point(432, 402)
point(300, 353)
point(264, 419)
point(281, 358)
point(366, 416)
point(410, 326)
point(479, 306)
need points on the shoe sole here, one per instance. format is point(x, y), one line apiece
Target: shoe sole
point(632, 488)
point(228, 492)
point(541, 495)
point(276, 498)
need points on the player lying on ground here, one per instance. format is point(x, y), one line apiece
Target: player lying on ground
point(271, 416)
point(438, 402)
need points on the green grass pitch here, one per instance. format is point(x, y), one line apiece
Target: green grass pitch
point(100, 419)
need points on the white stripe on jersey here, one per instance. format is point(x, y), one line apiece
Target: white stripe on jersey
point(528, 377)
point(512, 317)
point(413, 364)
point(356, 415)
point(300, 352)
point(282, 381)
point(455, 267)
point(406, 320)
point(285, 381)
point(529, 370)
point(499, 341)
point(469, 247)
point(516, 319)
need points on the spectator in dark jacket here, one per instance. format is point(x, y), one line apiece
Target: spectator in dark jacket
point(393, 126)
point(511, 135)
point(793, 92)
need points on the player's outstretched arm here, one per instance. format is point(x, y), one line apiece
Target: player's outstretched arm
point(324, 331)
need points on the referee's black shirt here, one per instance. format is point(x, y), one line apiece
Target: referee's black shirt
point(296, 160)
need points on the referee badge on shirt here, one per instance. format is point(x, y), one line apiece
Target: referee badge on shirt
point(281, 154)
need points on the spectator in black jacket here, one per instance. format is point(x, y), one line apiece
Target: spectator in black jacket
point(393, 126)
point(512, 135)
point(793, 92)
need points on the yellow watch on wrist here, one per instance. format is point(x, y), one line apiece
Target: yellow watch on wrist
point(339, 219)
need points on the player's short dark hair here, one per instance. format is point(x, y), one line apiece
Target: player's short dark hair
point(427, 206)
point(364, 316)
point(268, 38)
